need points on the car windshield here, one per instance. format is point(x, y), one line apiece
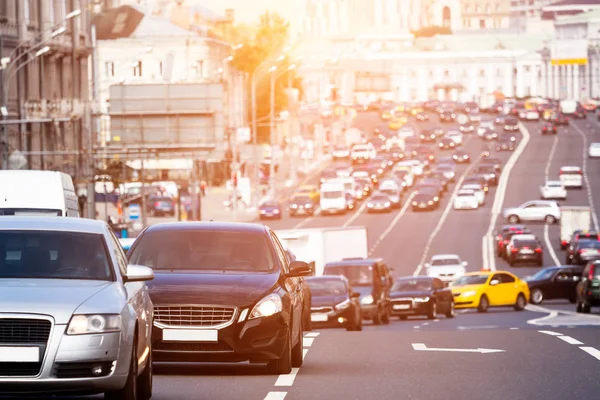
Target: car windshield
point(357, 275)
point(411, 285)
point(198, 250)
point(589, 244)
point(470, 280)
point(54, 255)
point(301, 199)
point(335, 194)
point(465, 194)
point(270, 204)
point(444, 261)
point(545, 273)
point(379, 198)
point(326, 287)
point(525, 243)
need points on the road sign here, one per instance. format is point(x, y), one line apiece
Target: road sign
point(423, 347)
point(134, 212)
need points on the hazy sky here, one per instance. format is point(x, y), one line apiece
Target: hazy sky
point(250, 10)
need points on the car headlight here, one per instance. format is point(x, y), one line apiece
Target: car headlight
point(421, 299)
point(82, 324)
point(368, 299)
point(308, 205)
point(436, 198)
point(387, 204)
point(469, 293)
point(430, 202)
point(263, 212)
point(269, 305)
point(276, 211)
point(293, 205)
point(343, 305)
point(414, 203)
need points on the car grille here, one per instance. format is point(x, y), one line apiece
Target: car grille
point(24, 331)
point(321, 309)
point(193, 347)
point(403, 302)
point(199, 315)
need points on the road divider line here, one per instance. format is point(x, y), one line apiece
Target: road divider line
point(287, 379)
point(276, 395)
point(551, 333)
point(592, 352)
point(304, 353)
point(356, 214)
point(539, 321)
point(569, 340)
point(307, 342)
point(499, 197)
point(549, 245)
point(393, 223)
point(302, 223)
point(588, 186)
point(423, 347)
point(312, 334)
point(445, 214)
point(551, 157)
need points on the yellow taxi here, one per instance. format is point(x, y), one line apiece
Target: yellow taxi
point(485, 289)
point(397, 123)
point(310, 191)
point(387, 115)
point(416, 110)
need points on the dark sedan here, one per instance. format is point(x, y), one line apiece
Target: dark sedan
point(494, 162)
point(425, 200)
point(446, 144)
point(422, 116)
point(561, 120)
point(159, 206)
point(447, 116)
point(554, 283)
point(489, 135)
point(503, 236)
point(270, 209)
point(549, 128)
point(427, 136)
point(301, 205)
point(431, 184)
point(505, 145)
point(511, 124)
point(334, 303)
point(223, 292)
point(421, 295)
point(461, 157)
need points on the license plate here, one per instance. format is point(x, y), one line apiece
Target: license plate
point(19, 354)
point(318, 317)
point(422, 205)
point(527, 251)
point(401, 306)
point(190, 335)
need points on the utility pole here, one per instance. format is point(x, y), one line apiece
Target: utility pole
point(255, 140)
point(232, 141)
point(94, 128)
point(272, 133)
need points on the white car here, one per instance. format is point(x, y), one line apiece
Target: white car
point(537, 210)
point(393, 193)
point(477, 190)
point(406, 131)
point(415, 165)
point(465, 199)
point(446, 267)
point(553, 190)
point(594, 150)
point(455, 136)
point(362, 152)
point(340, 152)
point(514, 238)
point(571, 176)
point(532, 115)
point(484, 126)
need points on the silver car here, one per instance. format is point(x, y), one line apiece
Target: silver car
point(74, 317)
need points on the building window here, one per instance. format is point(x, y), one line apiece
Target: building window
point(160, 68)
point(137, 68)
point(199, 68)
point(109, 69)
point(482, 23)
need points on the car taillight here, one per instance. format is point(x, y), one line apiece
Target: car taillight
point(514, 250)
point(157, 204)
point(592, 272)
point(538, 250)
point(580, 251)
point(564, 242)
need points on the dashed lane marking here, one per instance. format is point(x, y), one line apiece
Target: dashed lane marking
point(307, 342)
point(549, 246)
point(551, 333)
point(312, 334)
point(302, 223)
point(592, 352)
point(393, 224)
point(551, 157)
point(287, 379)
point(474, 327)
point(304, 352)
point(513, 329)
point(276, 395)
point(356, 214)
point(588, 186)
point(570, 340)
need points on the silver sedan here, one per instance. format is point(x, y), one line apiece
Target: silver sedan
point(74, 317)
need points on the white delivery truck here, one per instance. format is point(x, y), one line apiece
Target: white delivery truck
point(333, 197)
point(37, 193)
point(568, 106)
point(573, 218)
point(318, 246)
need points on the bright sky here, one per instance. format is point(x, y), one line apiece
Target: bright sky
point(250, 10)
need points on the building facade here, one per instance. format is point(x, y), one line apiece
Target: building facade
point(526, 15)
point(485, 14)
point(45, 47)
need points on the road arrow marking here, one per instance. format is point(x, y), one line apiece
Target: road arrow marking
point(422, 347)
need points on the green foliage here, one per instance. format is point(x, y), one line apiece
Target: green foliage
point(431, 31)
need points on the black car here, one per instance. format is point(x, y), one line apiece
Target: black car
point(511, 124)
point(421, 295)
point(422, 116)
point(446, 144)
point(301, 205)
point(489, 135)
point(489, 173)
point(553, 283)
point(588, 288)
point(549, 128)
point(379, 202)
point(432, 184)
point(229, 287)
point(499, 120)
point(461, 157)
point(479, 180)
point(560, 120)
point(425, 199)
point(161, 206)
point(511, 136)
point(505, 145)
point(494, 162)
point(334, 303)
point(502, 236)
point(526, 250)
point(371, 278)
point(306, 323)
point(447, 116)
point(586, 250)
point(580, 234)
point(427, 136)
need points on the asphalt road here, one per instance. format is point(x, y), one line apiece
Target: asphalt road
point(545, 352)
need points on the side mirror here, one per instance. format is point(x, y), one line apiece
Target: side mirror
point(138, 273)
point(354, 295)
point(298, 269)
point(465, 263)
point(494, 282)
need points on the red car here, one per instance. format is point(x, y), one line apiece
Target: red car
point(549, 128)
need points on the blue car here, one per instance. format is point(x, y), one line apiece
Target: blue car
point(270, 209)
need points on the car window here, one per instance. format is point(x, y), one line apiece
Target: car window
point(564, 276)
point(327, 287)
point(505, 278)
point(120, 254)
point(408, 285)
point(358, 275)
point(445, 261)
point(280, 253)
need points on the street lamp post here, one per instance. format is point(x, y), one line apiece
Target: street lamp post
point(272, 131)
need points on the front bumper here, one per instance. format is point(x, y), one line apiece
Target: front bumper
point(404, 307)
point(466, 206)
point(332, 319)
point(269, 215)
point(461, 301)
point(423, 206)
point(330, 211)
point(379, 209)
point(255, 340)
point(66, 366)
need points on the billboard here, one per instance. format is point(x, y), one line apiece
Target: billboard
point(569, 52)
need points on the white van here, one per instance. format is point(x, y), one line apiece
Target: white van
point(28, 192)
point(333, 198)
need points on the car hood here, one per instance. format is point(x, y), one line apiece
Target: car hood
point(410, 294)
point(56, 297)
point(218, 288)
point(327, 300)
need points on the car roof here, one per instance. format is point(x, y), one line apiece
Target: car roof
point(570, 168)
point(67, 224)
point(444, 256)
point(207, 226)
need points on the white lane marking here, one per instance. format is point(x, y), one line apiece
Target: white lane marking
point(302, 223)
point(513, 329)
point(540, 321)
point(307, 342)
point(499, 198)
point(588, 186)
point(275, 395)
point(416, 327)
point(592, 352)
point(570, 340)
point(445, 214)
point(436, 320)
point(287, 379)
point(353, 218)
point(425, 323)
point(551, 333)
point(423, 347)
point(393, 224)
point(551, 157)
point(304, 352)
point(466, 328)
point(312, 334)
point(550, 247)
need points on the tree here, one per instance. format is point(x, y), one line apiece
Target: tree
point(431, 31)
point(267, 44)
